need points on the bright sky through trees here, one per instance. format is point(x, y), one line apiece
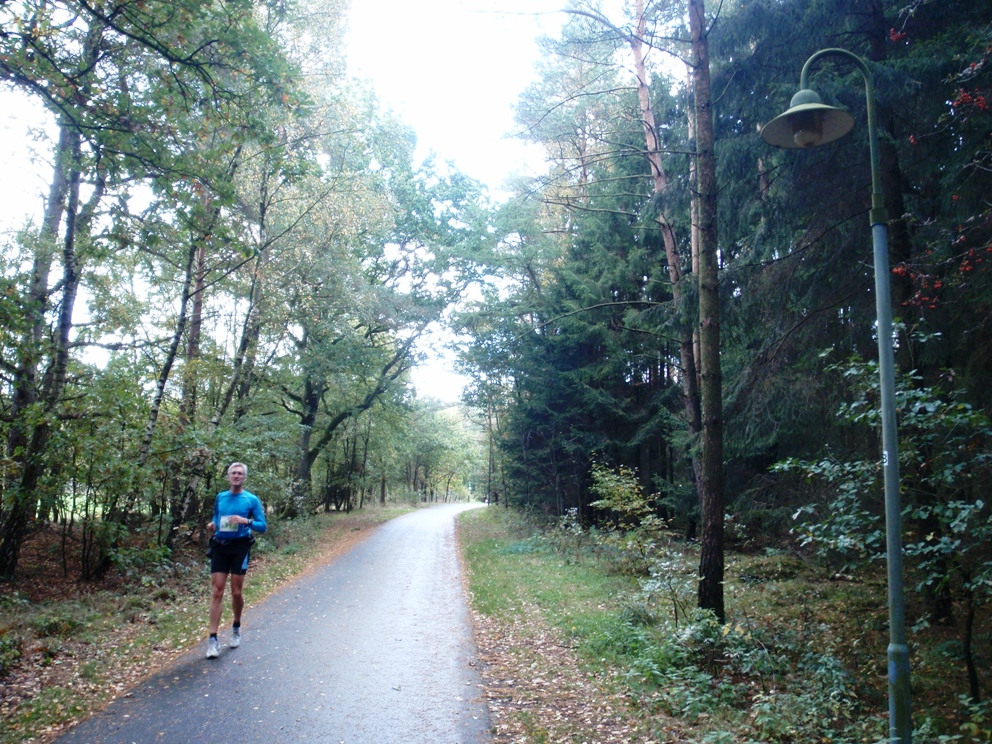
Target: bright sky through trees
point(24, 178)
point(451, 69)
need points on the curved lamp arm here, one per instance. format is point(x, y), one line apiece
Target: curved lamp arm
point(878, 214)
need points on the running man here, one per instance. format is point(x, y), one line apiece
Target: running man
point(236, 513)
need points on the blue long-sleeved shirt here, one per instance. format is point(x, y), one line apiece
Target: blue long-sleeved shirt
point(244, 504)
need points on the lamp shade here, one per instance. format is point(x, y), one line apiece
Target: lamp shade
point(807, 123)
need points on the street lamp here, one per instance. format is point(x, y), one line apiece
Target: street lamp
point(809, 123)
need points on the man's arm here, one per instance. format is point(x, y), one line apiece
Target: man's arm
point(258, 511)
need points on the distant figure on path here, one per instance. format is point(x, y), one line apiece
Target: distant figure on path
point(236, 513)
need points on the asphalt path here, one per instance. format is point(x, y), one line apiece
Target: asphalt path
point(374, 648)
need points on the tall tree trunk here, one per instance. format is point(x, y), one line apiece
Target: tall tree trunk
point(248, 348)
point(182, 504)
point(187, 405)
point(661, 193)
point(182, 498)
point(309, 405)
point(253, 329)
point(967, 643)
point(170, 360)
point(696, 226)
point(247, 343)
point(364, 462)
point(711, 564)
point(29, 434)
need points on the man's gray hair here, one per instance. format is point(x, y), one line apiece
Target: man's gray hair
point(237, 464)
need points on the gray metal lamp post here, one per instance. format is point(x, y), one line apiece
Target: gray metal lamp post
point(809, 123)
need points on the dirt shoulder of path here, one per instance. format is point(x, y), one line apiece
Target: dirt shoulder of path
point(537, 690)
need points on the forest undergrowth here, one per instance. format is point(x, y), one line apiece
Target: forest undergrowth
point(801, 658)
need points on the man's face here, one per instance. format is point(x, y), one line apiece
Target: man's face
point(236, 476)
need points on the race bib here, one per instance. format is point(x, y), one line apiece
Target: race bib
point(227, 523)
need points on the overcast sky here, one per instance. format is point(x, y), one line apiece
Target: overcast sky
point(452, 70)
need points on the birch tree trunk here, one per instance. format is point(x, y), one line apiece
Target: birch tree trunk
point(660, 189)
point(35, 402)
point(661, 195)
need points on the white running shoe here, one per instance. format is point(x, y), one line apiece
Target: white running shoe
point(235, 638)
point(213, 648)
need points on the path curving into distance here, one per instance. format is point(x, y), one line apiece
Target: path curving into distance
point(373, 648)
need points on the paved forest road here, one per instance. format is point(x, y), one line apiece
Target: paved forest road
point(374, 648)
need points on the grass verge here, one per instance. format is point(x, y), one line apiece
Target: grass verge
point(801, 658)
point(532, 612)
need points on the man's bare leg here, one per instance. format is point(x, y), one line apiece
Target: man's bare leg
point(218, 582)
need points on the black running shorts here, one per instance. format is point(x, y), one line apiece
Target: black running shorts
point(230, 556)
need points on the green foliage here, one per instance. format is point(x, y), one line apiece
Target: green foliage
point(573, 350)
point(781, 676)
point(671, 583)
point(141, 562)
point(10, 650)
point(637, 538)
point(533, 544)
point(322, 251)
point(258, 256)
point(845, 530)
point(570, 343)
point(977, 725)
point(620, 493)
point(57, 621)
point(945, 450)
point(567, 536)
